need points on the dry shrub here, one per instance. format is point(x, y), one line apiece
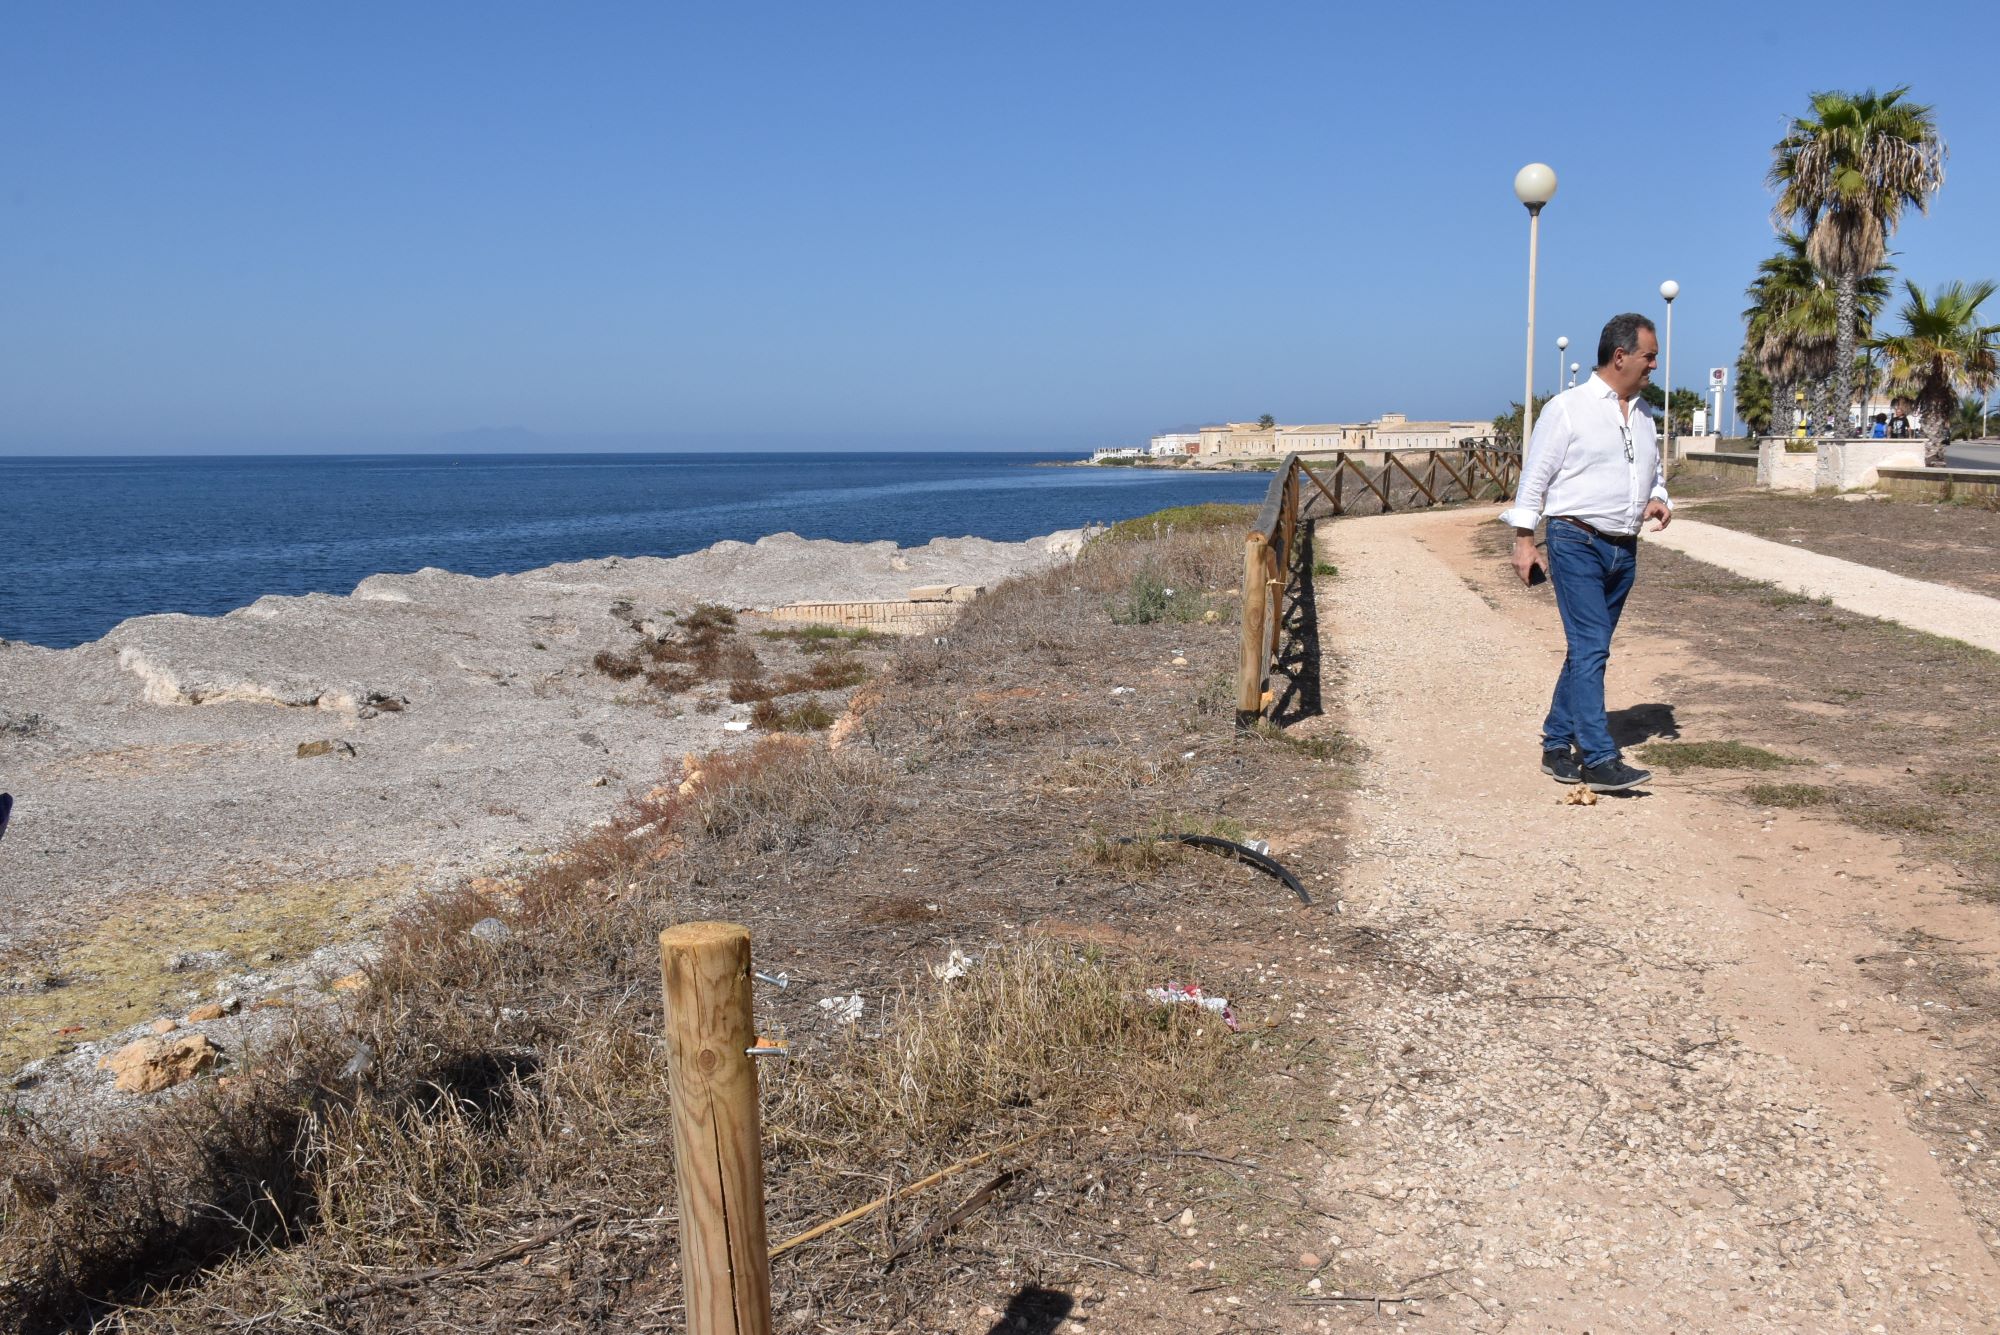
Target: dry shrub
point(1096, 770)
point(617, 666)
point(1131, 856)
point(1154, 847)
point(809, 716)
point(1040, 1033)
point(704, 647)
point(480, 1088)
point(832, 673)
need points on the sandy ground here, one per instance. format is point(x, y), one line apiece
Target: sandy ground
point(1632, 1074)
point(1919, 604)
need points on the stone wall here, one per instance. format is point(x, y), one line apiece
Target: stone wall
point(1939, 484)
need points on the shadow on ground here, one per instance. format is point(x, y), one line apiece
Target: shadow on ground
point(1638, 724)
point(1033, 1311)
point(1298, 663)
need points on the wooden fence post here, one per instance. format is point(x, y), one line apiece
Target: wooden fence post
point(718, 1161)
point(1250, 666)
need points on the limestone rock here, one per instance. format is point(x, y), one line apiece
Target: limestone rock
point(214, 1010)
point(153, 1064)
point(490, 930)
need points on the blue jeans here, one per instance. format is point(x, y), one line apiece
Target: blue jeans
point(1590, 577)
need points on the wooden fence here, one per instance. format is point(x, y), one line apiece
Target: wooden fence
point(1279, 619)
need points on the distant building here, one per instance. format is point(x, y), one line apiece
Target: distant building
point(1117, 452)
point(1175, 445)
point(1391, 431)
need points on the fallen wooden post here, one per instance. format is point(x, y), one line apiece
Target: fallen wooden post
point(718, 1160)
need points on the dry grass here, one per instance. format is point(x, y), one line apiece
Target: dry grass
point(1795, 795)
point(1712, 755)
point(478, 1091)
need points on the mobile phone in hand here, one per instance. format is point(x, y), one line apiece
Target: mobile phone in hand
point(1537, 574)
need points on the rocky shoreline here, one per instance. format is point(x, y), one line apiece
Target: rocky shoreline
point(227, 807)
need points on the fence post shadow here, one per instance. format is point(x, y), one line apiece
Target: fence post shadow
point(1298, 660)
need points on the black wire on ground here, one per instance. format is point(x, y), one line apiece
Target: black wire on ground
point(1263, 862)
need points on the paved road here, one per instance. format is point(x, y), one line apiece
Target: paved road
point(1954, 613)
point(1973, 454)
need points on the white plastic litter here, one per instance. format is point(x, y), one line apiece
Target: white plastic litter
point(1190, 994)
point(956, 965)
point(1124, 690)
point(737, 725)
point(846, 1009)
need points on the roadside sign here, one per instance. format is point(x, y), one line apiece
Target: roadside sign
point(1718, 376)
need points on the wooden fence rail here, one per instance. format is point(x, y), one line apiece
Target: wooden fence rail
point(1278, 566)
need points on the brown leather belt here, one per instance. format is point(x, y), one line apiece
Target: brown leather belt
point(1616, 539)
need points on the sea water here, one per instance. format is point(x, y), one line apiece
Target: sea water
point(86, 543)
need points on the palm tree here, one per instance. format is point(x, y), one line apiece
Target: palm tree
point(1943, 352)
point(1972, 420)
point(1791, 327)
point(1846, 172)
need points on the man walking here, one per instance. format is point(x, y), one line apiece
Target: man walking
point(1593, 470)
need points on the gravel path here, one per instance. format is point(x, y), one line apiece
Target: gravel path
point(1918, 604)
point(1631, 1076)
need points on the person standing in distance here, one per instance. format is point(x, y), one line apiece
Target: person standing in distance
point(1593, 470)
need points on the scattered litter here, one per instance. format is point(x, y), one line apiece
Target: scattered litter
point(769, 1047)
point(1189, 994)
point(1580, 796)
point(489, 930)
point(1187, 755)
point(737, 725)
point(780, 980)
point(1262, 846)
point(360, 1063)
point(956, 965)
point(1124, 690)
point(847, 1009)
point(1179, 661)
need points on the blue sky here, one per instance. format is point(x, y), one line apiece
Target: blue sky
point(1025, 226)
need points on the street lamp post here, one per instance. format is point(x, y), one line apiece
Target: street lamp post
point(1534, 186)
point(1574, 367)
point(1670, 289)
point(1562, 346)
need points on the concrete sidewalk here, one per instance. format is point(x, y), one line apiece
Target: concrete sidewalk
point(1918, 604)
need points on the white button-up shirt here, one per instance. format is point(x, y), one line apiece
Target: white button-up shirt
point(1579, 463)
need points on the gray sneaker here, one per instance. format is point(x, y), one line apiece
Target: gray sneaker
point(1614, 776)
point(1561, 766)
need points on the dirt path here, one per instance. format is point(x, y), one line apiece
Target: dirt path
point(1633, 1073)
point(1919, 604)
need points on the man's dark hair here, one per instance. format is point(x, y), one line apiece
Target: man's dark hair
point(1621, 334)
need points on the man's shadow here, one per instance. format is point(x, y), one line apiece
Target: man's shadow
point(1638, 724)
point(1033, 1311)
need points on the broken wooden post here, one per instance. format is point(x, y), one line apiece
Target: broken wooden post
point(718, 1160)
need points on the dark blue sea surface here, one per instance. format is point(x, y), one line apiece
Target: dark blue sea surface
point(85, 543)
